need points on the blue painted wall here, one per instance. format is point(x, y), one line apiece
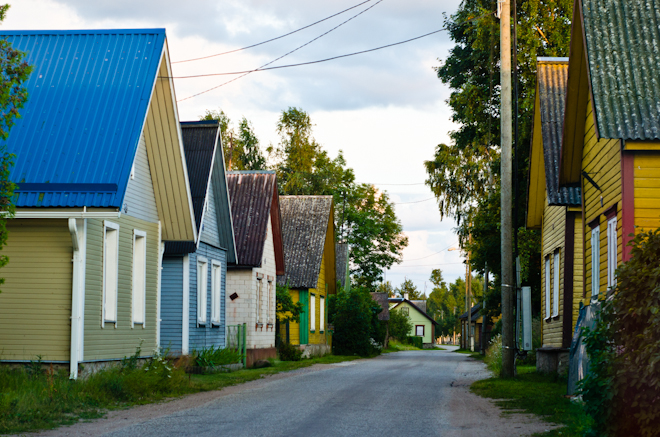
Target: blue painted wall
point(171, 301)
point(205, 336)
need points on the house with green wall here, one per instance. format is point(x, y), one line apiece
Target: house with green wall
point(308, 236)
point(101, 184)
point(422, 324)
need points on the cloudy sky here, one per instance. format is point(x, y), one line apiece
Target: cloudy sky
point(386, 109)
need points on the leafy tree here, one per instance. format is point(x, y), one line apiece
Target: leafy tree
point(241, 148)
point(14, 72)
point(407, 286)
point(357, 328)
point(365, 217)
point(400, 325)
point(287, 310)
point(385, 287)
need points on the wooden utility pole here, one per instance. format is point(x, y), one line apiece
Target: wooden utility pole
point(468, 300)
point(506, 192)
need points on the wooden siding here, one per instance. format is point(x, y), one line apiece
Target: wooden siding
point(316, 337)
point(553, 235)
point(601, 159)
point(294, 328)
point(578, 272)
point(205, 336)
point(120, 340)
point(140, 201)
point(35, 303)
point(171, 307)
point(167, 162)
point(210, 221)
point(647, 190)
point(418, 319)
point(536, 187)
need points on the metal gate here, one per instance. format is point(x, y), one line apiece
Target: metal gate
point(236, 340)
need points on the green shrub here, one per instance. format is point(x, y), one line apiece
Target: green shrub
point(622, 389)
point(211, 357)
point(416, 341)
point(400, 325)
point(357, 328)
point(289, 352)
point(493, 357)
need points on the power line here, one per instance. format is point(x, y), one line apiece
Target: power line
point(427, 265)
point(416, 201)
point(276, 59)
point(272, 39)
point(374, 183)
point(433, 254)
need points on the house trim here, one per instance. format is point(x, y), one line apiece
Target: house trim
point(627, 201)
point(185, 317)
point(114, 226)
point(142, 234)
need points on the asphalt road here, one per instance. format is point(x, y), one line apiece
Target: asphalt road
point(404, 393)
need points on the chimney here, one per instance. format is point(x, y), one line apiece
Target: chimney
point(405, 296)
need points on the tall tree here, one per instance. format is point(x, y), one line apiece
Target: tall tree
point(408, 287)
point(385, 287)
point(14, 72)
point(241, 147)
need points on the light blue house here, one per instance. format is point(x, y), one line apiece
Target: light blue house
point(194, 273)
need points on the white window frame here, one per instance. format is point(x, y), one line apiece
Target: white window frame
point(105, 317)
point(595, 261)
point(416, 330)
point(547, 287)
point(202, 287)
point(270, 300)
point(612, 247)
point(135, 283)
point(216, 288)
point(312, 312)
point(322, 314)
point(260, 294)
point(555, 283)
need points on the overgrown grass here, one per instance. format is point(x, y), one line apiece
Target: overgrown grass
point(31, 400)
point(396, 346)
point(531, 392)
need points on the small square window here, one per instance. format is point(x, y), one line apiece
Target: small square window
point(419, 330)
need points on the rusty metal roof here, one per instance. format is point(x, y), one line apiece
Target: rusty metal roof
point(341, 263)
point(552, 75)
point(622, 39)
point(304, 226)
point(254, 199)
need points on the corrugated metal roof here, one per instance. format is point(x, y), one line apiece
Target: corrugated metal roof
point(251, 194)
point(88, 99)
point(341, 262)
point(623, 50)
point(304, 225)
point(381, 299)
point(475, 313)
point(552, 76)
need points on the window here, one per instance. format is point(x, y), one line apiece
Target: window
point(260, 291)
point(611, 252)
point(419, 330)
point(202, 278)
point(110, 272)
point(139, 277)
point(216, 285)
point(322, 314)
point(404, 310)
point(555, 285)
point(595, 260)
point(312, 313)
point(547, 287)
point(270, 300)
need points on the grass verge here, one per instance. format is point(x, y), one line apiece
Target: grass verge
point(397, 346)
point(475, 355)
point(31, 399)
point(537, 394)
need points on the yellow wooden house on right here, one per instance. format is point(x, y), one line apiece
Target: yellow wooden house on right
point(611, 134)
point(557, 212)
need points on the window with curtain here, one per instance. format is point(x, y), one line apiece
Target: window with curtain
point(312, 313)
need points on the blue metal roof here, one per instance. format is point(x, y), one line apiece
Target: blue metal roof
point(88, 99)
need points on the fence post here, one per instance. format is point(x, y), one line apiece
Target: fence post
point(245, 345)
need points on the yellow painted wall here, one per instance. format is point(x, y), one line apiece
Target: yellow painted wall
point(109, 342)
point(294, 328)
point(553, 235)
point(35, 303)
point(578, 271)
point(601, 159)
point(647, 190)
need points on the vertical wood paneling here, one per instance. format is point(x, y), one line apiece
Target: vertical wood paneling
point(35, 303)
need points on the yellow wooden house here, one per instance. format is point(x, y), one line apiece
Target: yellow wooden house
point(611, 134)
point(308, 236)
point(557, 212)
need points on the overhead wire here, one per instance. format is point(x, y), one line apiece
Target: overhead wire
point(272, 39)
point(276, 59)
point(416, 201)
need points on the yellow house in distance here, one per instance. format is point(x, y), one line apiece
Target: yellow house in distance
point(557, 212)
point(308, 237)
point(611, 135)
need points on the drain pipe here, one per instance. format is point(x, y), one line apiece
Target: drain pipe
point(76, 304)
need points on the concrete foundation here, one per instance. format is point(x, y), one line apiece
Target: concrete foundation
point(259, 354)
point(552, 360)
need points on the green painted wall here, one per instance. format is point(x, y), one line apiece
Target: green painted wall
point(418, 319)
point(35, 302)
point(110, 342)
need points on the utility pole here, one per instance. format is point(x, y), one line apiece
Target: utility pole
point(506, 196)
point(468, 301)
point(484, 343)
